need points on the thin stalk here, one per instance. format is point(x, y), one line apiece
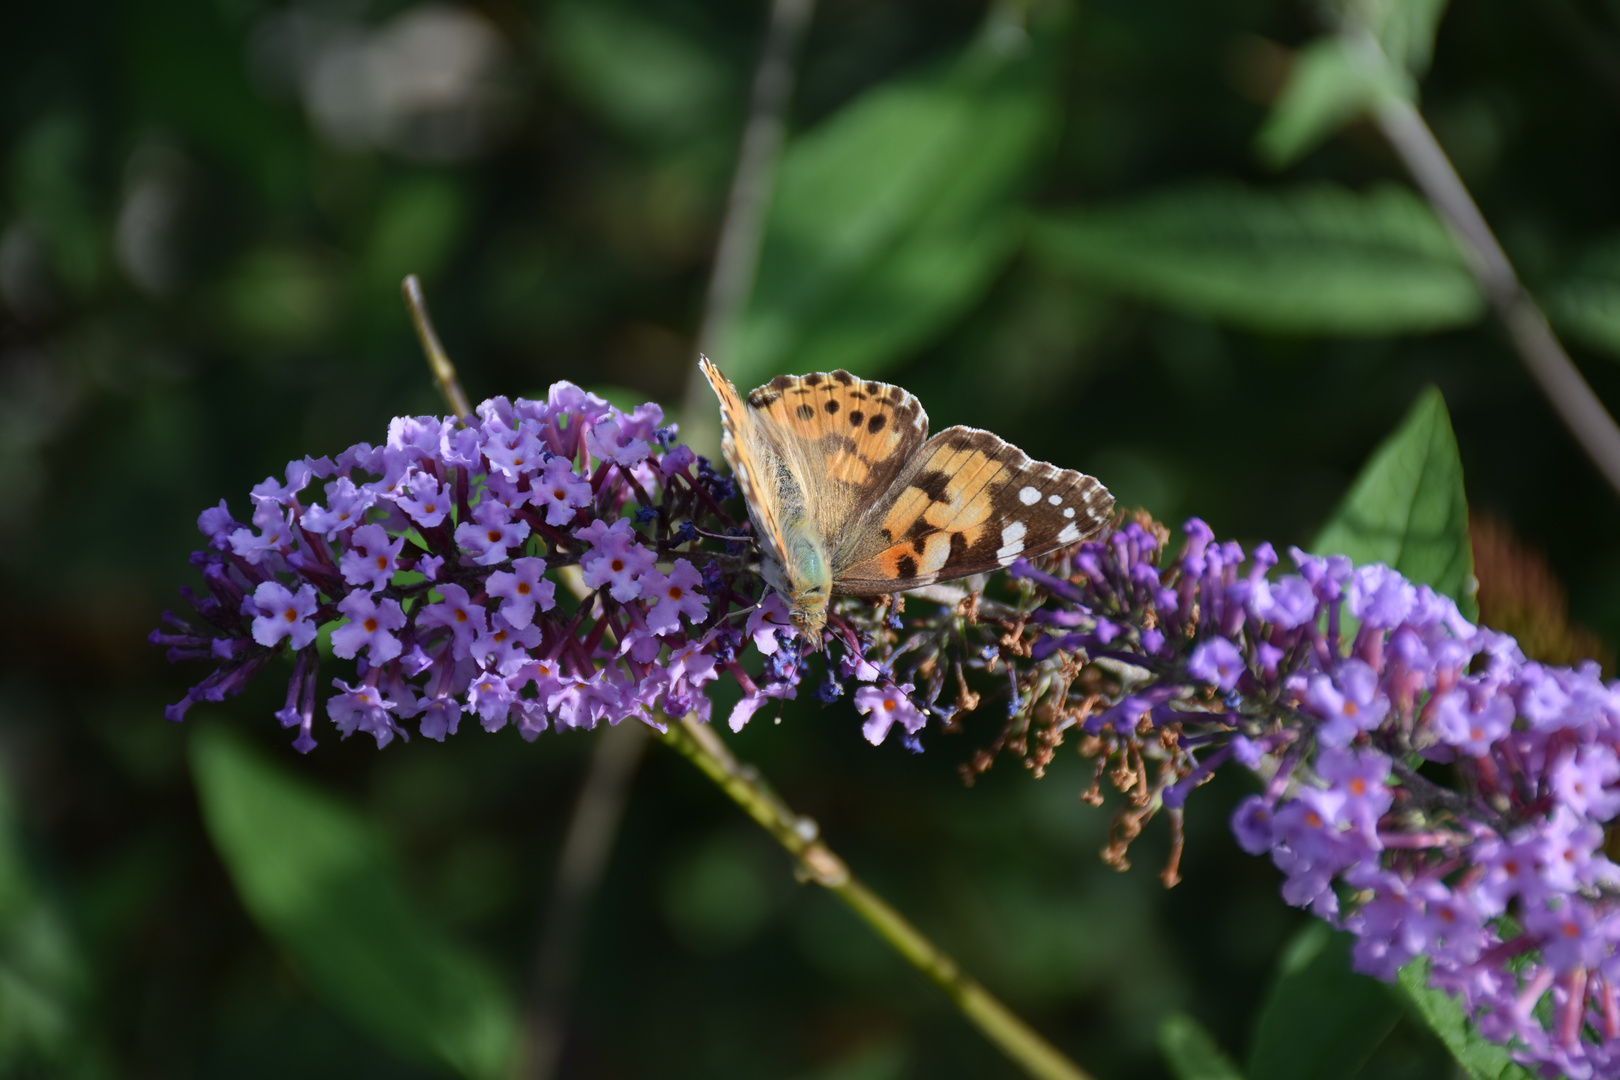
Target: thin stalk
point(444, 372)
point(800, 837)
point(1538, 347)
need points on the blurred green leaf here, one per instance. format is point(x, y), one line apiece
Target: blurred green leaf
point(186, 63)
point(1587, 304)
point(1407, 508)
point(1404, 29)
point(893, 214)
point(1332, 82)
point(1480, 1058)
point(1191, 1052)
point(718, 898)
point(885, 1061)
point(1311, 260)
point(1320, 1020)
point(44, 979)
point(637, 72)
point(281, 297)
point(415, 229)
point(319, 880)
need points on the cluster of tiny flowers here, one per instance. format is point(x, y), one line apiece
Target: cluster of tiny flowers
point(1424, 786)
point(432, 564)
point(561, 563)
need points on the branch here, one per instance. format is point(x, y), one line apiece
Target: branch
point(1571, 396)
point(444, 372)
point(800, 837)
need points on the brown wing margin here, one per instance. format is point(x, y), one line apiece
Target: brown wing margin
point(741, 445)
point(974, 504)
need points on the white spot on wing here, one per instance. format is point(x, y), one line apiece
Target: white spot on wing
point(1069, 534)
point(1068, 511)
point(1029, 496)
point(1012, 541)
point(1055, 500)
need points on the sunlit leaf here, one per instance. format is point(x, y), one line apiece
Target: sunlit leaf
point(1320, 1020)
point(892, 215)
point(1191, 1052)
point(1331, 83)
point(1317, 259)
point(1480, 1058)
point(319, 880)
point(1404, 29)
point(1408, 509)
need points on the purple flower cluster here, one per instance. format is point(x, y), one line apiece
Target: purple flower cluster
point(1424, 785)
point(561, 563)
point(432, 563)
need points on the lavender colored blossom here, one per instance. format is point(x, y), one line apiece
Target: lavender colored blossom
point(1420, 783)
point(1424, 786)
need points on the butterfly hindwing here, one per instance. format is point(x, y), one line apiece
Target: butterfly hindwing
point(968, 504)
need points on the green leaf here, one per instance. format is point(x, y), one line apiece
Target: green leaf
point(1320, 1020)
point(1407, 508)
point(1315, 259)
point(45, 982)
point(1404, 29)
point(319, 880)
point(892, 215)
point(1587, 305)
point(1480, 1058)
point(639, 73)
point(1332, 82)
point(1191, 1052)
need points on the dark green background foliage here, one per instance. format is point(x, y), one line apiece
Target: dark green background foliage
point(1069, 236)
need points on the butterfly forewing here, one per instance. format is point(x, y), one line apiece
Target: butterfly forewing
point(968, 504)
point(847, 439)
point(756, 464)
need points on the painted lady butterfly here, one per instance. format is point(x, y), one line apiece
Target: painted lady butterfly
point(850, 497)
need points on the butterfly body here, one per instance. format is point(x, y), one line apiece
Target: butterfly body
point(850, 497)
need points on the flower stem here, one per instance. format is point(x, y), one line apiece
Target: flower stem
point(444, 372)
point(1571, 396)
point(799, 835)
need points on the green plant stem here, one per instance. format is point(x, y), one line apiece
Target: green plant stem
point(1571, 396)
point(444, 372)
point(800, 836)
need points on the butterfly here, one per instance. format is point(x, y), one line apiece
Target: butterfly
point(850, 497)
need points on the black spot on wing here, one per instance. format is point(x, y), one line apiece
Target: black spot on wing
point(933, 484)
point(856, 418)
point(806, 411)
point(844, 377)
point(875, 424)
point(907, 566)
point(832, 406)
point(813, 379)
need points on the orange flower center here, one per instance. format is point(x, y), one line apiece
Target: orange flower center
point(371, 626)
